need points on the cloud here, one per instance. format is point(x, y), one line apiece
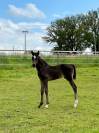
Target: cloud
point(56, 16)
point(11, 35)
point(63, 14)
point(35, 25)
point(30, 11)
point(8, 25)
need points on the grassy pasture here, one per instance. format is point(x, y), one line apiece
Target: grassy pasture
point(20, 96)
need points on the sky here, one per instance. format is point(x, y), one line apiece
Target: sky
point(35, 16)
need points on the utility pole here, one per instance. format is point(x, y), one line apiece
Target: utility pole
point(25, 35)
point(94, 42)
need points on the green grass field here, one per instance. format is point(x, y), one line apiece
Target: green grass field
point(20, 96)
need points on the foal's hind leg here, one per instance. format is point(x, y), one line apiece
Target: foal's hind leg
point(75, 92)
point(42, 93)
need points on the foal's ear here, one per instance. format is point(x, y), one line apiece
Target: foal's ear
point(32, 52)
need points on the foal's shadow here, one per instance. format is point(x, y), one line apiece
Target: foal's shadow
point(70, 109)
point(67, 108)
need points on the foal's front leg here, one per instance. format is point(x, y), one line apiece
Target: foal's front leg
point(46, 93)
point(42, 93)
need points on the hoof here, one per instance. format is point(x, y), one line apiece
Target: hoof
point(75, 103)
point(40, 105)
point(46, 106)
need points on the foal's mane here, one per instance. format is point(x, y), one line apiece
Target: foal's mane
point(42, 62)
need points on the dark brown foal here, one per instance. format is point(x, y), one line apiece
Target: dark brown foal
point(47, 73)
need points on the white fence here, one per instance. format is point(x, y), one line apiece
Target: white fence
point(69, 53)
point(19, 57)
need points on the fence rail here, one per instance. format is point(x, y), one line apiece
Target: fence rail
point(20, 52)
point(21, 58)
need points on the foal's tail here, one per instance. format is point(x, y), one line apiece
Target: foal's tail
point(74, 74)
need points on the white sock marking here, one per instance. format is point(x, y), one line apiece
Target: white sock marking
point(76, 103)
point(46, 106)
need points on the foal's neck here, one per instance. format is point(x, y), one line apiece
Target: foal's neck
point(41, 63)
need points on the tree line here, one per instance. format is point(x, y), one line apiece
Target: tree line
point(75, 33)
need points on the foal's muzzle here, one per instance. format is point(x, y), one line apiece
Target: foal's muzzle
point(33, 65)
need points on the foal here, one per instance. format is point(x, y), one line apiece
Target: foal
point(47, 73)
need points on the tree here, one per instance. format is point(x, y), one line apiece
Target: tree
point(56, 34)
point(67, 33)
point(93, 29)
point(75, 32)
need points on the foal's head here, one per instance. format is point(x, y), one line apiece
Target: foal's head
point(35, 56)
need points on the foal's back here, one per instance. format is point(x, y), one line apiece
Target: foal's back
point(56, 72)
